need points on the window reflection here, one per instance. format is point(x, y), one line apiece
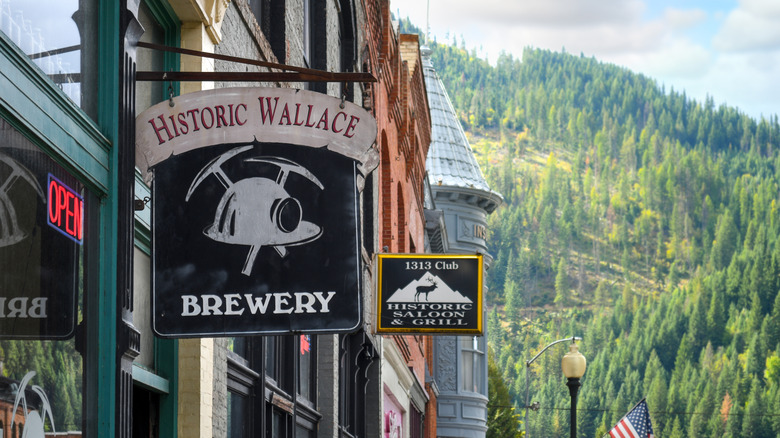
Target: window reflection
point(472, 359)
point(305, 367)
point(28, 364)
point(51, 32)
point(41, 289)
point(238, 410)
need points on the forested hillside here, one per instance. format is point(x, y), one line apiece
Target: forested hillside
point(639, 219)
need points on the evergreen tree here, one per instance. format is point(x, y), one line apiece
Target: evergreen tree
point(756, 356)
point(672, 201)
point(514, 304)
point(562, 288)
point(502, 420)
point(716, 316)
point(773, 323)
point(755, 423)
point(677, 430)
point(725, 243)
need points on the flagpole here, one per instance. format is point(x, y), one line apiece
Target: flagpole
point(629, 411)
point(634, 407)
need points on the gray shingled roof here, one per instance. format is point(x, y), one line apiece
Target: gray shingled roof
point(450, 160)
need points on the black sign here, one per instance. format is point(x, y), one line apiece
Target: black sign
point(430, 293)
point(255, 238)
point(41, 232)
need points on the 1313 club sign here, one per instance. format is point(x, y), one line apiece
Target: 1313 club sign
point(254, 207)
point(429, 293)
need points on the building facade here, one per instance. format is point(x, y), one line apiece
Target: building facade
point(77, 224)
point(401, 109)
point(459, 202)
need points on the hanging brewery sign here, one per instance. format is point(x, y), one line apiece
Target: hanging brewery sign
point(429, 293)
point(254, 206)
point(41, 234)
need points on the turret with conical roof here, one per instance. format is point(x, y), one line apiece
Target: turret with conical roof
point(464, 199)
point(454, 175)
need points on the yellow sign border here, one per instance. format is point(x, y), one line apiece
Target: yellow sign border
point(379, 329)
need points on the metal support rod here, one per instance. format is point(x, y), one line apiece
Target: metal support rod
point(574, 385)
point(217, 56)
point(54, 52)
point(290, 73)
point(528, 365)
point(193, 76)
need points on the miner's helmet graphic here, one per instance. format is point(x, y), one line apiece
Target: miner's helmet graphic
point(258, 211)
point(11, 173)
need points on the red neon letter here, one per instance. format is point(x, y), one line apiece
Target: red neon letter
point(62, 199)
point(54, 214)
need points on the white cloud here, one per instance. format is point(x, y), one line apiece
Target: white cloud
point(752, 26)
point(742, 80)
point(766, 8)
point(577, 25)
point(738, 66)
point(551, 13)
point(680, 59)
point(683, 19)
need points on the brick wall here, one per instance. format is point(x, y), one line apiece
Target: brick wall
point(400, 106)
point(401, 110)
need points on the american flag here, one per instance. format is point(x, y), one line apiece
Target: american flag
point(636, 424)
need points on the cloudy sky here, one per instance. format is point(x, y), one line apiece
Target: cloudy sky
point(728, 49)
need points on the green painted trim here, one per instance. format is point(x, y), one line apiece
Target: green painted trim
point(39, 109)
point(166, 358)
point(166, 17)
point(110, 58)
point(149, 380)
point(94, 285)
point(166, 351)
point(142, 239)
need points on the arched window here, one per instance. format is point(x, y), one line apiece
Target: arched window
point(401, 221)
point(385, 213)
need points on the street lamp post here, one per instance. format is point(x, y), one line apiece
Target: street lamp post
point(573, 365)
point(528, 365)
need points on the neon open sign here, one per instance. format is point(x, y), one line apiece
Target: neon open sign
point(65, 210)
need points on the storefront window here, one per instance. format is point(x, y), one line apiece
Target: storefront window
point(305, 368)
point(416, 423)
point(393, 416)
point(472, 356)
point(302, 432)
point(238, 412)
point(60, 37)
point(265, 402)
point(42, 231)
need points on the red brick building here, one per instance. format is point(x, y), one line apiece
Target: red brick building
point(400, 104)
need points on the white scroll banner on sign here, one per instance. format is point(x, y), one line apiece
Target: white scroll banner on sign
point(269, 115)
